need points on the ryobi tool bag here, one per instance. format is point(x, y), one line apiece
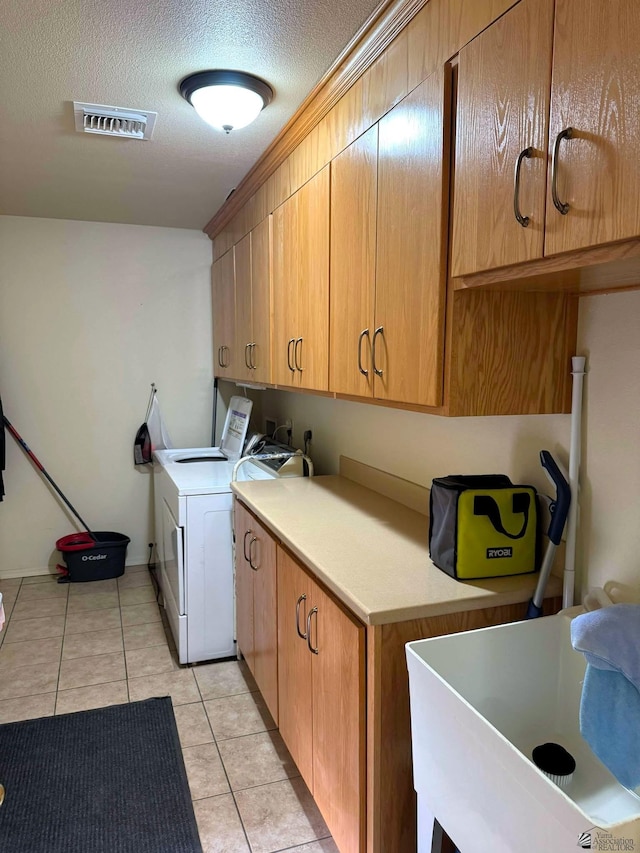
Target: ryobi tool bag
point(483, 526)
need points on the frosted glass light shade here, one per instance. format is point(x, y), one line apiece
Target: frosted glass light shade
point(227, 107)
point(227, 100)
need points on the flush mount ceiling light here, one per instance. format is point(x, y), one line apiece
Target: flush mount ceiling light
point(226, 100)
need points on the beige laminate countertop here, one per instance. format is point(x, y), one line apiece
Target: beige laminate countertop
point(372, 552)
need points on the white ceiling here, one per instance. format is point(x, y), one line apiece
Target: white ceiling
point(133, 53)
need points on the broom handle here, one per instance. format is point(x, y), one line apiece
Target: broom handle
point(23, 444)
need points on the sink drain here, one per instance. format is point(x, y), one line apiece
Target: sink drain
point(555, 762)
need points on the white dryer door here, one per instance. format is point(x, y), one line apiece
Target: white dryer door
point(173, 560)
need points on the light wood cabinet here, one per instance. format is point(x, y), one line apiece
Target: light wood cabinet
point(408, 340)
point(354, 182)
point(388, 197)
point(502, 106)
point(301, 287)
point(252, 339)
point(322, 699)
point(256, 603)
point(595, 91)
point(577, 62)
point(224, 315)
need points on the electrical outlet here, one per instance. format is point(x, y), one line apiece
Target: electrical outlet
point(270, 425)
point(288, 424)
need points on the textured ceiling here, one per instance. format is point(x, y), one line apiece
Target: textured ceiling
point(133, 54)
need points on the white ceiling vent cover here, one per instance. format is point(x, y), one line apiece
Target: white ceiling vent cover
point(114, 121)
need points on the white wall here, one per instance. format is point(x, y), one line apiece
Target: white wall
point(90, 315)
point(420, 447)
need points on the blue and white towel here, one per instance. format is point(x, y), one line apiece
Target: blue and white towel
point(609, 638)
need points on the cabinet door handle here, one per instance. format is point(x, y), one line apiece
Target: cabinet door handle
point(224, 362)
point(289, 360)
point(523, 220)
point(244, 546)
point(295, 354)
point(309, 615)
point(220, 357)
point(302, 598)
point(247, 356)
point(378, 331)
point(562, 206)
point(363, 333)
point(252, 359)
point(251, 544)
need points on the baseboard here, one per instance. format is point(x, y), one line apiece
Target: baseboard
point(11, 574)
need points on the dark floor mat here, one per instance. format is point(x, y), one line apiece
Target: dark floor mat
point(105, 781)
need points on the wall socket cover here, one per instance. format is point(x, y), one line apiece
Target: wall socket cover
point(270, 425)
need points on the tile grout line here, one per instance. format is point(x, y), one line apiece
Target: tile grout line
point(124, 653)
point(64, 629)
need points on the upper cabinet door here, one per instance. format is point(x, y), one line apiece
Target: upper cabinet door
point(285, 291)
point(301, 287)
point(408, 339)
point(504, 77)
point(595, 92)
point(260, 355)
point(311, 351)
point(354, 181)
point(224, 314)
point(243, 333)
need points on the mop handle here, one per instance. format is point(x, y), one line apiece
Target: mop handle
point(23, 444)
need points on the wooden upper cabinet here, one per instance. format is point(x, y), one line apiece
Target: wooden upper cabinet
point(596, 92)
point(413, 155)
point(301, 287)
point(261, 256)
point(253, 304)
point(354, 179)
point(224, 312)
point(243, 327)
point(502, 105)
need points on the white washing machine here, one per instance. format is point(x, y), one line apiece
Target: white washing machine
point(194, 536)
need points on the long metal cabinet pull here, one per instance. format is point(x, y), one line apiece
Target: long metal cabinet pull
point(562, 206)
point(295, 354)
point(302, 598)
point(244, 546)
point(251, 543)
point(247, 355)
point(363, 333)
point(220, 357)
point(378, 331)
point(289, 360)
point(526, 154)
point(222, 360)
point(252, 360)
point(309, 615)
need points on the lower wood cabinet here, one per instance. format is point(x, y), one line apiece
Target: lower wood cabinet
point(256, 603)
point(338, 690)
point(321, 690)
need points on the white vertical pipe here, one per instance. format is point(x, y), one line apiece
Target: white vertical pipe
point(575, 450)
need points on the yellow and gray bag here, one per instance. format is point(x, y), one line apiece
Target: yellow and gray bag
point(482, 526)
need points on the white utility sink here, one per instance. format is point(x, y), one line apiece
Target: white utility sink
point(480, 702)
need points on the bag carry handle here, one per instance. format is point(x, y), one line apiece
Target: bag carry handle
point(486, 505)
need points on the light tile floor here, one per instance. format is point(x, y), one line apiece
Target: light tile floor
point(71, 647)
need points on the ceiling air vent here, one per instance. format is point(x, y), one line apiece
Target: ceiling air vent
point(114, 121)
